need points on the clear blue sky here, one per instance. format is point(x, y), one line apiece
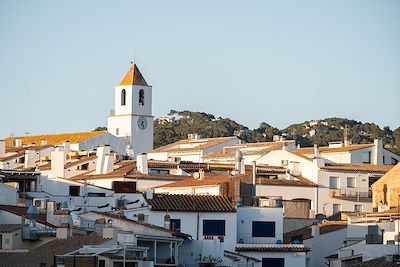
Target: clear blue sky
point(281, 62)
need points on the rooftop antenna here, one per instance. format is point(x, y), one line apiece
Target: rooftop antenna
point(134, 57)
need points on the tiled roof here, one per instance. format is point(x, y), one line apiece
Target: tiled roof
point(187, 203)
point(54, 139)
point(21, 211)
point(310, 150)
point(208, 180)
point(378, 262)
point(358, 168)
point(298, 181)
point(246, 149)
point(133, 77)
point(8, 228)
point(203, 144)
point(276, 248)
point(46, 252)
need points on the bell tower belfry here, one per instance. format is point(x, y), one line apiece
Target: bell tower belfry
point(132, 119)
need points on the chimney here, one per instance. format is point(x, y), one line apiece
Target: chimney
point(43, 142)
point(254, 172)
point(316, 151)
point(2, 148)
point(108, 164)
point(141, 163)
point(315, 230)
point(239, 162)
point(57, 163)
point(378, 152)
point(167, 221)
point(18, 142)
point(67, 147)
point(201, 174)
point(101, 154)
point(149, 193)
point(31, 156)
point(62, 233)
point(284, 147)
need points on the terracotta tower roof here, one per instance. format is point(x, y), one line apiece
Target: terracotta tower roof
point(133, 77)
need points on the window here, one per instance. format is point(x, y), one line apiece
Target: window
point(74, 190)
point(358, 208)
point(366, 157)
point(1, 241)
point(141, 97)
point(334, 182)
point(117, 131)
point(102, 263)
point(336, 208)
point(175, 224)
point(123, 97)
point(83, 167)
point(351, 182)
point(275, 262)
point(213, 227)
point(263, 229)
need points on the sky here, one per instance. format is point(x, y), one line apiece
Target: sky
point(280, 62)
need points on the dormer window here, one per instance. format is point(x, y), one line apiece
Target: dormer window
point(123, 97)
point(141, 97)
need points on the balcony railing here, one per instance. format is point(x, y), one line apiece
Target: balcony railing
point(350, 194)
point(246, 238)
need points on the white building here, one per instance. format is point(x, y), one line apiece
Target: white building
point(132, 119)
point(193, 149)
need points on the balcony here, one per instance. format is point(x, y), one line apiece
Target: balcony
point(351, 194)
point(247, 238)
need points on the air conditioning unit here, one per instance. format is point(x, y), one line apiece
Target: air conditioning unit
point(40, 203)
point(284, 162)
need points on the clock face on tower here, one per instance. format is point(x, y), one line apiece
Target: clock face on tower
point(142, 123)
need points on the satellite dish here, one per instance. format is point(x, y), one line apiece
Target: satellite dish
point(196, 175)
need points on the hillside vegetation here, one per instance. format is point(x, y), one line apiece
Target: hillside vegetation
point(178, 124)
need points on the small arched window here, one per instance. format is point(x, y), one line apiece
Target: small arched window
point(123, 97)
point(141, 97)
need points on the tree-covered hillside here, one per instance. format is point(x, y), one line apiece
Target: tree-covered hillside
point(178, 124)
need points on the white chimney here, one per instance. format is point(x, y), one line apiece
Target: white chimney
point(201, 174)
point(167, 221)
point(57, 163)
point(239, 162)
point(43, 142)
point(149, 193)
point(254, 163)
point(108, 164)
point(101, 153)
point(378, 152)
point(2, 148)
point(67, 147)
point(31, 156)
point(141, 163)
point(316, 151)
point(18, 142)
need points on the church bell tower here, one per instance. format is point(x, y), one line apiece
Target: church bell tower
point(132, 119)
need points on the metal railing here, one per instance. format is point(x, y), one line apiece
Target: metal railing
point(349, 193)
point(247, 238)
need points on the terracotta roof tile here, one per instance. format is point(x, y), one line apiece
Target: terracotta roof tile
point(208, 180)
point(203, 144)
point(310, 150)
point(133, 77)
point(358, 168)
point(54, 139)
point(21, 211)
point(276, 248)
point(8, 228)
point(297, 181)
point(190, 203)
point(46, 252)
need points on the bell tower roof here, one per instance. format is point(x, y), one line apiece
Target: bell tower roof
point(133, 77)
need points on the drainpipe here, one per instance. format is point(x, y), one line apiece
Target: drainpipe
point(253, 193)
